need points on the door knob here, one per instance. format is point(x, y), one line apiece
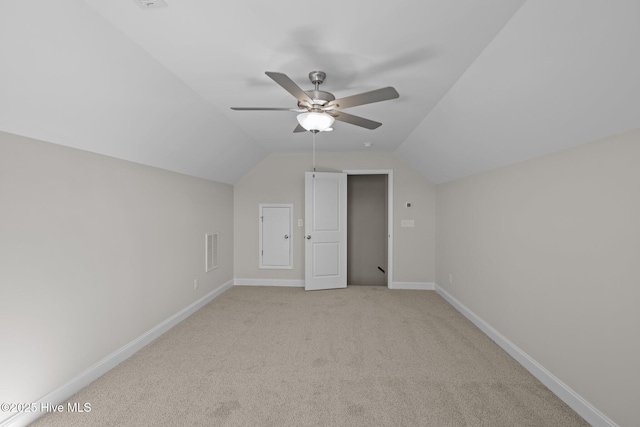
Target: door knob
point(286, 236)
point(308, 237)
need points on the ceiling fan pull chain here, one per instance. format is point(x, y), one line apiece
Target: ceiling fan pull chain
point(314, 150)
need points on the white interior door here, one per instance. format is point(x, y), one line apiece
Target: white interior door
point(325, 230)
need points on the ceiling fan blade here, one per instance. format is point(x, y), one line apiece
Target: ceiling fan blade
point(288, 85)
point(265, 109)
point(354, 120)
point(377, 95)
point(299, 129)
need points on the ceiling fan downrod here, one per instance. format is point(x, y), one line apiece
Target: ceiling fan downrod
point(320, 98)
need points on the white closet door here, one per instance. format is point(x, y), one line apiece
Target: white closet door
point(275, 236)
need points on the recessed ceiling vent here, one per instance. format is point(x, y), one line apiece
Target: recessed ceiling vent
point(150, 4)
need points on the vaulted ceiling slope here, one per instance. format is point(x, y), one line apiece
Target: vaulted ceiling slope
point(559, 74)
point(482, 84)
point(68, 76)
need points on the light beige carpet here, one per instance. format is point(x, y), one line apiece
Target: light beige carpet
point(362, 356)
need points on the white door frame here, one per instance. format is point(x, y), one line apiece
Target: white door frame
point(389, 173)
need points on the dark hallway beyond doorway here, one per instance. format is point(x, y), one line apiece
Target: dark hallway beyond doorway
point(367, 230)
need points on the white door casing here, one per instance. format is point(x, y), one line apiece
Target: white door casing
point(325, 230)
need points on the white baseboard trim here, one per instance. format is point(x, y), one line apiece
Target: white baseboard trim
point(576, 402)
point(269, 282)
point(300, 284)
point(423, 286)
point(94, 372)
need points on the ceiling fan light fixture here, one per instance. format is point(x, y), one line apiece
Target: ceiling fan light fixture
point(313, 121)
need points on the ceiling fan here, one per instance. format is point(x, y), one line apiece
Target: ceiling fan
point(319, 108)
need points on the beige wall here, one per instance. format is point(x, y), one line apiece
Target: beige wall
point(548, 252)
point(94, 252)
point(279, 178)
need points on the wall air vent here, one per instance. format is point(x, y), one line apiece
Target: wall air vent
point(150, 4)
point(211, 250)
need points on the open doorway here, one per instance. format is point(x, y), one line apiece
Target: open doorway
point(368, 236)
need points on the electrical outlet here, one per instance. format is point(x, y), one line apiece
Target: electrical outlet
point(196, 283)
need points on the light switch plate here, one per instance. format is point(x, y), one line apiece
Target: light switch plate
point(410, 223)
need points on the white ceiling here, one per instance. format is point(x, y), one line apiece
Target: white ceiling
point(482, 84)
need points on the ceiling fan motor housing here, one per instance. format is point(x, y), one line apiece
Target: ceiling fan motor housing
point(320, 98)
